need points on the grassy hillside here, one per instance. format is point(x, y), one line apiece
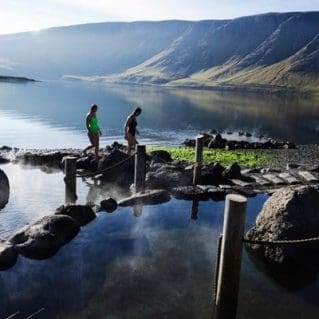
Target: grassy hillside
point(272, 52)
point(89, 50)
point(264, 52)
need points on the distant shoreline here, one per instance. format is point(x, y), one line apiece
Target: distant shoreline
point(253, 88)
point(15, 79)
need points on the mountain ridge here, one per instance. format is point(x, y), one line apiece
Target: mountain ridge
point(271, 51)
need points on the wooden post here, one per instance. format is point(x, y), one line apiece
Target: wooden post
point(70, 179)
point(198, 159)
point(230, 258)
point(140, 169)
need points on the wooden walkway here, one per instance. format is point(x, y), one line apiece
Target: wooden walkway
point(269, 182)
point(248, 185)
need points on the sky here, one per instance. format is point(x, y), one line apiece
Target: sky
point(29, 15)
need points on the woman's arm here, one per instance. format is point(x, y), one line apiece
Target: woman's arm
point(128, 121)
point(87, 121)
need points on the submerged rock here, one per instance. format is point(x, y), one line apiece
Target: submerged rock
point(82, 214)
point(4, 189)
point(43, 238)
point(290, 213)
point(150, 197)
point(8, 255)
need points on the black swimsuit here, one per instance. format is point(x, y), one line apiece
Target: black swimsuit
point(132, 127)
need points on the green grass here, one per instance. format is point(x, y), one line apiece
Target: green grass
point(242, 157)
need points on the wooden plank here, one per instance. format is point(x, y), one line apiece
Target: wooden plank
point(240, 183)
point(289, 178)
point(274, 179)
point(260, 181)
point(309, 177)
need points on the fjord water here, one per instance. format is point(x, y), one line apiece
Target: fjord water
point(50, 114)
point(157, 262)
point(149, 262)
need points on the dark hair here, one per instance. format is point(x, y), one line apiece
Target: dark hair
point(137, 111)
point(93, 106)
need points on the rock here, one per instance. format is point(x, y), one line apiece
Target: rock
point(247, 134)
point(161, 155)
point(289, 145)
point(150, 197)
point(290, 213)
point(292, 166)
point(167, 177)
point(216, 169)
point(216, 142)
point(155, 166)
point(230, 145)
point(4, 160)
point(254, 170)
point(109, 205)
point(233, 172)
point(82, 214)
point(190, 142)
point(84, 163)
point(4, 189)
point(116, 145)
point(189, 193)
point(6, 148)
point(212, 175)
point(40, 157)
point(8, 255)
point(270, 170)
point(314, 169)
point(43, 238)
point(121, 167)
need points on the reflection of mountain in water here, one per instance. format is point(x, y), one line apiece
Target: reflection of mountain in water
point(169, 115)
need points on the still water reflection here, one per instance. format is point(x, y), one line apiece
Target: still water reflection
point(51, 114)
point(142, 262)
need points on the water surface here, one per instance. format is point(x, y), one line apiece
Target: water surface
point(52, 114)
point(155, 262)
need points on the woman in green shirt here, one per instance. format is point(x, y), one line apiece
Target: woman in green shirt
point(93, 130)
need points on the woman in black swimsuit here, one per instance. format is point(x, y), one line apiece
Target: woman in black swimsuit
point(130, 130)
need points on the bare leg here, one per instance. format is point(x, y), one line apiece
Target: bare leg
point(97, 146)
point(131, 142)
point(95, 140)
point(91, 138)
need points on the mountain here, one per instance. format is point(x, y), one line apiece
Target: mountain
point(89, 49)
point(273, 51)
point(260, 52)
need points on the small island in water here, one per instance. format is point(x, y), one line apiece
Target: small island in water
point(15, 79)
